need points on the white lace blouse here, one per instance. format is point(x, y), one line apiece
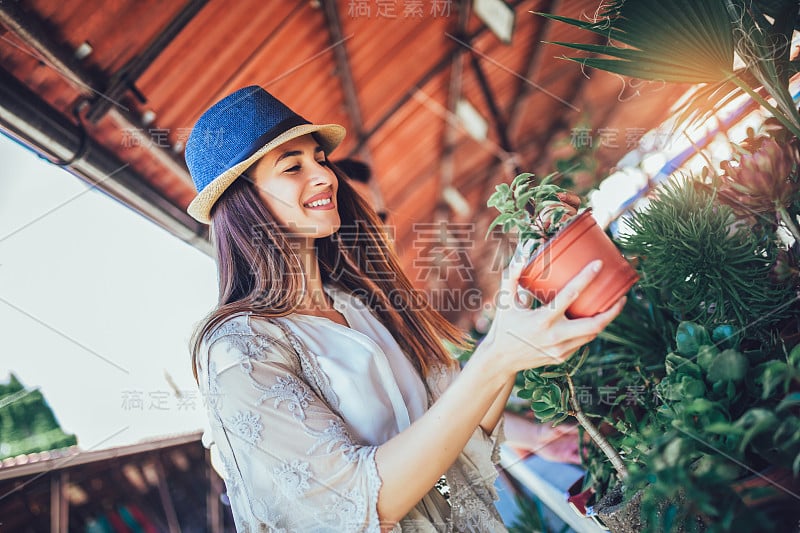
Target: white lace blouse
point(297, 407)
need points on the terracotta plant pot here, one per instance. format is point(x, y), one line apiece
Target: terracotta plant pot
point(557, 261)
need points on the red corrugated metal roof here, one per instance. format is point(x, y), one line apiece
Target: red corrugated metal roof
point(401, 74)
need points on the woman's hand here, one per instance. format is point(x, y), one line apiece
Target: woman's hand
point(522, 338)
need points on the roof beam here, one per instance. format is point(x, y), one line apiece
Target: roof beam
point(422, 81)
point(75, 457)
point(334, 24)
point(166, 498)
point(34, 122)
point(447, 165)
point(535, 54)
point(491, 102)
point(484, 177)
point(39, 36)
point(125, 78)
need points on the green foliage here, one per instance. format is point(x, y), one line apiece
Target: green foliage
point(709, 341)
point(522, 208)
point(686, 41)
point(27, 423)
point(649, 29)
point(529, 519)
point(717, 414)
point(546, 388)
point(697, 400)
point(706, 267)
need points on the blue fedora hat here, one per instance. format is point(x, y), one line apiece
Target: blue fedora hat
point(236, 132)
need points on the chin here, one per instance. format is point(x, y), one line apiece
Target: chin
point(327, 230)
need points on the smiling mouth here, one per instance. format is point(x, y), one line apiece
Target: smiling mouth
point(318, 203)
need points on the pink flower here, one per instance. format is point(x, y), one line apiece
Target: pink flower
point(761, 181)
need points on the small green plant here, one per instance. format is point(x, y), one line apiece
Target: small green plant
point(535, 212)
point(709, 267)
point(552, 393)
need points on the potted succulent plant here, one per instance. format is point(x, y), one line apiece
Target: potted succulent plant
point(561, 241)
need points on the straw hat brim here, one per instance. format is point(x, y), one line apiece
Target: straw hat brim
point(329, 136)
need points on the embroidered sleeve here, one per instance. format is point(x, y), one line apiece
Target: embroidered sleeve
point(289, 461)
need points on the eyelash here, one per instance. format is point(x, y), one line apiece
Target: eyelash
point(295, 168)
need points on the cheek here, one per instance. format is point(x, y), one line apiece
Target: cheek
point(281, 200)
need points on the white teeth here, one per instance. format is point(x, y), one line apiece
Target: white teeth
point(318, 203)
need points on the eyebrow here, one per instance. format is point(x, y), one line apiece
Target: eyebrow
point(294, 153)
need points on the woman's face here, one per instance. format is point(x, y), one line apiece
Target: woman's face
point(297, 185)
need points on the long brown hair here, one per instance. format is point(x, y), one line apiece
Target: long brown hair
point(259, 272)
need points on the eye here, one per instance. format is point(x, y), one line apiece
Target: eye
point(294, 168)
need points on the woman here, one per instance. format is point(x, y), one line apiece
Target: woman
point(332, 399)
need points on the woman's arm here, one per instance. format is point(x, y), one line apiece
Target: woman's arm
point(411, 462)
point(495, 412)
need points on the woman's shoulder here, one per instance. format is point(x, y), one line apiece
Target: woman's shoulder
point(237, 324)
point(244, 338)
point(249, 334)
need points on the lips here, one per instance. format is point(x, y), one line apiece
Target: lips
point(321, 201)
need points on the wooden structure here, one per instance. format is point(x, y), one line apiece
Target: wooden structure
point(164, 484)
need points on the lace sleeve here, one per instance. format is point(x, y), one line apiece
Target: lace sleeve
point(289, 462)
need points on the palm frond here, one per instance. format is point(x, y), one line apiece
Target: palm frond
point(765, 49)
point(688, 41)
point(681, 41)
point(712, 97)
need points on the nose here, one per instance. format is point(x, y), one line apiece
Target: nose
point(322, 175)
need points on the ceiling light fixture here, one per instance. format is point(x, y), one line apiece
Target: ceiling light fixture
point(498, 17)
point(472, 121)
point(456, 201)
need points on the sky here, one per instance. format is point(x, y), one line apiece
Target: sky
point(97, 305)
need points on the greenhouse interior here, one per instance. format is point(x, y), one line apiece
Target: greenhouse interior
point(314, 265)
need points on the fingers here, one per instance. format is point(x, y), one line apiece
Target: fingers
point(573, 330)
point(571, 346)
point(557, 354)
point(612, 313)
point(571, 290)
point(598, 322)
point(509, 285)
point(581, 331)
point(524, 297)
